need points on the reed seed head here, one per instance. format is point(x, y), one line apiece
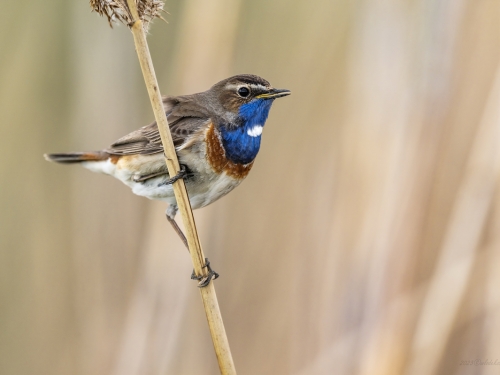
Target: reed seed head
point(118, 10)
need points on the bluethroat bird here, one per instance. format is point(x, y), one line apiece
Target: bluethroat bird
point(217, 136)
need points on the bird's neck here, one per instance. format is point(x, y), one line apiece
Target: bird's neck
point(242, 143)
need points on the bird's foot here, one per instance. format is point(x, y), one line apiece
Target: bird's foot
point(203, 281)
point(182, 173)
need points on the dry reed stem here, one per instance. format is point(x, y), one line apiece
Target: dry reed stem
point(214, 318)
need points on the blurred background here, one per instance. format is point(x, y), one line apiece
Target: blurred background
point(366, 240)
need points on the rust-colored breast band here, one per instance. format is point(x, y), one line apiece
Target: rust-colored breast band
point(216, 157)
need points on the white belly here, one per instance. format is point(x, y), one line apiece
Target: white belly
point(206, 187)
point(201, 193)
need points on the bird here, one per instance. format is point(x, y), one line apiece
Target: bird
point(217, 136)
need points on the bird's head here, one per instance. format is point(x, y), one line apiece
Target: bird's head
point(247, 96)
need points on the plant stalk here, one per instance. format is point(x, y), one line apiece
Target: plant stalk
point(209, 298)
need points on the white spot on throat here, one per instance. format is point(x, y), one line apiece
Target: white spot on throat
point(255, 131)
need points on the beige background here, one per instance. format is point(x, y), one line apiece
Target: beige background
point(366, 240)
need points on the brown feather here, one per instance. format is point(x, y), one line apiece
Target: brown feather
point(185, 117)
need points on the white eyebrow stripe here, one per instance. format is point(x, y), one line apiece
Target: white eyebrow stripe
point(258, 87)
point(251, 85)
point(255, 131)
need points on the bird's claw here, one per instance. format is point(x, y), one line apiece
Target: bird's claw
point(203, 281)
point(181, 174)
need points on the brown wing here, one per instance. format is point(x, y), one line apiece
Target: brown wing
point(184, 117)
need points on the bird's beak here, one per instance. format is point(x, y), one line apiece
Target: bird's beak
point(274, 93)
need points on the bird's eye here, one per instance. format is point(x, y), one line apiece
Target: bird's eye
point(243, 92)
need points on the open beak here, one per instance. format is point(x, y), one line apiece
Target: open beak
point(274, 93)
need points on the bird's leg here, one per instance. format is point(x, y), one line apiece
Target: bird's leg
point(211, 275)
point(182, 173)
point(171, 211)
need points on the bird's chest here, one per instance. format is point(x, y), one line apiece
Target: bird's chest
point(215, 166)
point(232, 155)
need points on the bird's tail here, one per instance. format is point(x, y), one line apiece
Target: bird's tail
point(77, 157)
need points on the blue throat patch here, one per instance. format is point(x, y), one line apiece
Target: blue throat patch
point(240, 147)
